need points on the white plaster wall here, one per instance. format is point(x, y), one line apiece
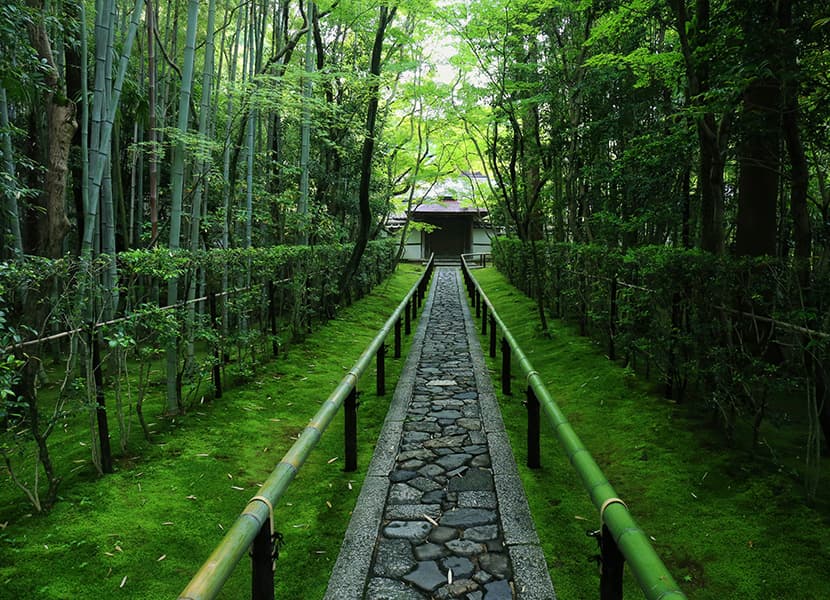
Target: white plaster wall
point(412, 248)
point(481, 242)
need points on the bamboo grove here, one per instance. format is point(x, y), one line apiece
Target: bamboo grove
point(193, 183)
point(661, 169)
point(154, 151)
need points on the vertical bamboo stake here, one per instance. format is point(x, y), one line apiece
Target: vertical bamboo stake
point(11, 201)
point(177, 192)
point(202, 167)
point(302, 202)
point(103, 144)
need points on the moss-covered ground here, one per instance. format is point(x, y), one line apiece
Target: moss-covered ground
point(145, 530)
point(728, 522)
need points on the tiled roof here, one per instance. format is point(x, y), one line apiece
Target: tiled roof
point(448, 207)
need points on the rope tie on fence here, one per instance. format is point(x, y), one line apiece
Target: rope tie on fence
point(354, 376)
point(270, 506)
point(606, 504)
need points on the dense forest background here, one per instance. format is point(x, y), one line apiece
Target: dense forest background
point(659, 168)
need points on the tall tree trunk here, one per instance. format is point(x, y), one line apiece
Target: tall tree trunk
point(60, 116)
point(710, 176)
point(759, 163)
point(759, 151)
point(799, 172)
point(686, 208)
point(711, 131)
point(365, 212)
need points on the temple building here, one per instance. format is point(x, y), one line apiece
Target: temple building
point(447, 222)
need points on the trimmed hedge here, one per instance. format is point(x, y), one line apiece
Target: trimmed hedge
point(51, 314)
point(733, 334)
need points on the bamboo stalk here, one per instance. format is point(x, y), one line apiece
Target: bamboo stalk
point(97, 173)
point(177, 193)
point(8, 154)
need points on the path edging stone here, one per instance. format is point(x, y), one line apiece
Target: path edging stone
point(532, 579)
point(351, 570)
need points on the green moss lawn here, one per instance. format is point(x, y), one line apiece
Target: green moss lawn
point(728, 523)
point(145, 530)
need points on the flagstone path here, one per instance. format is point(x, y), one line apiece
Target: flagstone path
point(442, 513)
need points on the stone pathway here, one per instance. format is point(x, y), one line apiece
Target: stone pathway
point(441, 529)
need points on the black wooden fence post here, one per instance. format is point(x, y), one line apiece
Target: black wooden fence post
point(483, 318)
point(381, 370)
point(612, 563)
point(532, 403)
point(398, 338)
point(505, 367)
point(492, 336)
point(262, 564)
point(351, 431)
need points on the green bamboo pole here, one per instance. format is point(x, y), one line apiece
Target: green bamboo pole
point(177, 194)
point(84, 125)
point(110, 274)
point(305, 130)
point(102, 148)
point(226, 163)
point(152, 135)
point(12, 214)
point(249, 192)
point(102, 25)
point(202, 167)
point(252, 121)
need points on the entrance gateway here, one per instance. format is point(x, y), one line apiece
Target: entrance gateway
point(455, 229)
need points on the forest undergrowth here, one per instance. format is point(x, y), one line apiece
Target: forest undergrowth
point(144, 531)
point(729, 520)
